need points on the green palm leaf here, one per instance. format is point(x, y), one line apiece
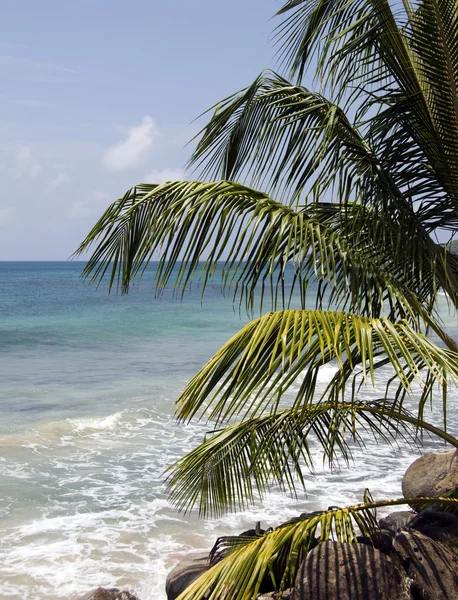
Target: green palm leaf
point(239, 575)
point(182, 220)
point(254, 369)
point(307, 144)
point(234, 467)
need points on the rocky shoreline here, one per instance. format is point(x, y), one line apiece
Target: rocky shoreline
point(413, 556)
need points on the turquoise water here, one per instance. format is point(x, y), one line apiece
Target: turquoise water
point(89, 381)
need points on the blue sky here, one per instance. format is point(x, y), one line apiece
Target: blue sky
point(98, 95)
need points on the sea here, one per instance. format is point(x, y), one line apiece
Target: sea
point(89, 381)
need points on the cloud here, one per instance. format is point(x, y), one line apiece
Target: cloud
point(163, 175)
point(133, 151)
point(22, 102)
point(59, 180)
point(26, 163)
point(30, 103)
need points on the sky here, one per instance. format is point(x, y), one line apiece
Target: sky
point(98, 95)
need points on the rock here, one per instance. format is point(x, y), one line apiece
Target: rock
point(439, 526)
point(380, 540)
point(338, 571)
point(431, 565)
point(397, 520)
point(432, 475)
point(109, 594)
point(287, 595)
point(184, 574)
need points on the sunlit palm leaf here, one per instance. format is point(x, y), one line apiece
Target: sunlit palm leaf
point(254, 369)
point(233, 467)
point(239, 575)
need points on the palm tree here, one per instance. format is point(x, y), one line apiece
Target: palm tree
point(360, 187)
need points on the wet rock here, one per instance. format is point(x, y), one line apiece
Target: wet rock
point(338, 571)
point(439, 526)
point(431, 475)
point(397, 520)
point(109, 594)
point(431, 565)
point(184, 574)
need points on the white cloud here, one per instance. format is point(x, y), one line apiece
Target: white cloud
point(163, 175)
point(133, 151)
point(26, 162)
point(59, 180)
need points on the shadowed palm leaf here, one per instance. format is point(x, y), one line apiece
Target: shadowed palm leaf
point(233, 467)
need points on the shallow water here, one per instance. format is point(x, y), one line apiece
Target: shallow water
point(88, 388)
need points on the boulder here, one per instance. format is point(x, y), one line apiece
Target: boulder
point(340, 571)
point(439, 526)
point(432, 566)
point(109, 594)
point(432, 474)
point(380, 540)
point(397, 520)
point(184, 574)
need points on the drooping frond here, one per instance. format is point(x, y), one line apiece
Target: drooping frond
point(292, 139)
point(239, 575)
point(180, 221)
point(253, 238)
point(234, 467)
point(254, 369)
point(281, 136)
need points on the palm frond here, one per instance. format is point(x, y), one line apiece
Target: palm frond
point(289, 138)
point(256, 235)
point(182, 220)
point(239, 575)
point(234, 467)
point(260, 363)
point(399, 69)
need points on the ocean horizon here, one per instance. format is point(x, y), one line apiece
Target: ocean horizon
point(89, 382)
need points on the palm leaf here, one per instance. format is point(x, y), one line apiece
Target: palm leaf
point(297, 140)
point(239, 575)
point(260, 363)
point(234, 467)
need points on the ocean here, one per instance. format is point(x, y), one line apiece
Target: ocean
point(87, 429)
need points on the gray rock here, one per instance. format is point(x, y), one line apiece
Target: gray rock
point(431, 565)
point(439, 526)
point(397, 520)
point(184, 574)
point(287, 595)
point(432, 475)
point(338, 571)
point(109, 594)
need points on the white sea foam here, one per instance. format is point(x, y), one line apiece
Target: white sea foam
point(110, 523)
